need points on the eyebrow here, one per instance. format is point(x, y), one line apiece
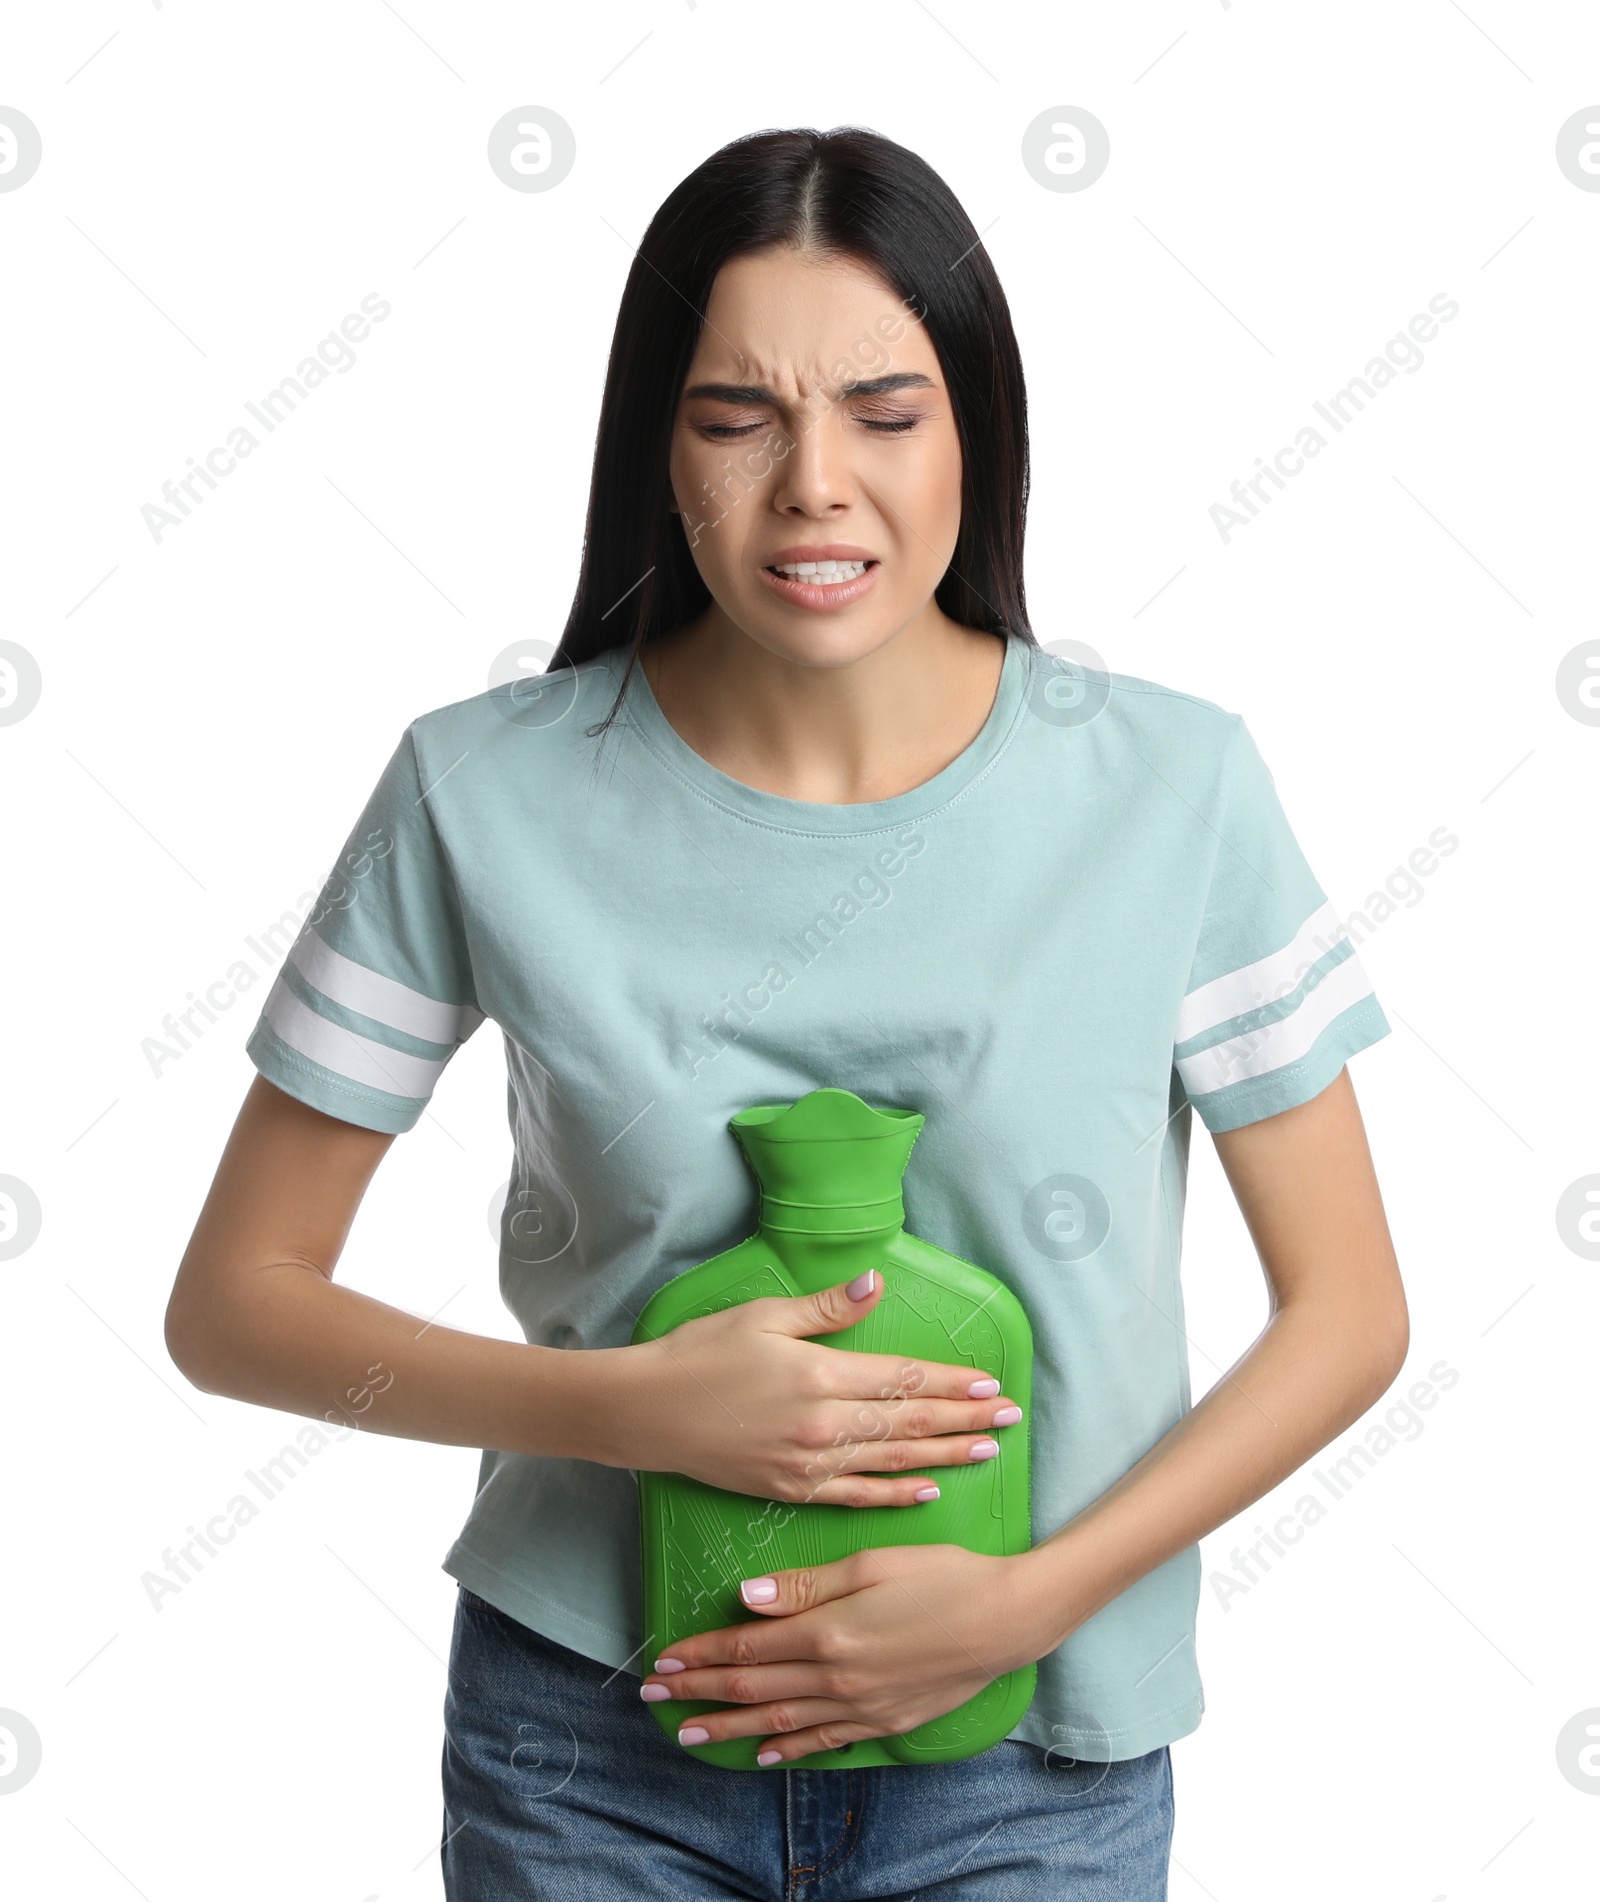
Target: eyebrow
point(869, 386)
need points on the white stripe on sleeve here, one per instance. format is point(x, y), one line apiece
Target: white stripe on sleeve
point(1263, 982)
point(346, 1052)
point(384, 999)
point(1258, 1052)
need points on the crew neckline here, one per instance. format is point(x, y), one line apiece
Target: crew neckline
point(816, 816)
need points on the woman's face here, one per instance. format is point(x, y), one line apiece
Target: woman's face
point(814, 425)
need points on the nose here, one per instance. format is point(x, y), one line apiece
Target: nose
point(817, 474)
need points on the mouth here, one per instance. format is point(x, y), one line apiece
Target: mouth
point(820, 584)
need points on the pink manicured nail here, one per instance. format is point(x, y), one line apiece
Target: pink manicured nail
point(666, 1666)
point(926, 1492)
point(694, 1734)
point(861, 1287)
point(764, 1757)
point(1007, 1416)
point(983, 1389)
point(654, 1693)
point(982, 1450)
point(762, 1591)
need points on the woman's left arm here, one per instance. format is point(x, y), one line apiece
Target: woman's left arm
point(876, 1643)
point(1335, 1339)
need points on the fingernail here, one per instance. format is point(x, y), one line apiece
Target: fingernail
point(762, 1591)
point(1007, 1416)
point(666, 1666)
point(982, 1450)
point(926, 1492)
point(764, 1757)
point(983, 1389)
point(654, 1693)
point(694, 1734)
point(861, 1287)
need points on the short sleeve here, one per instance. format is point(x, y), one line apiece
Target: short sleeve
point(376, 993)
point(1277, 1000)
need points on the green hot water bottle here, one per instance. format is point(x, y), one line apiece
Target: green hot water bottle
point(830, 1169)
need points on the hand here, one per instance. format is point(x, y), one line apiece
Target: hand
point(867, 1646)
point(740, 1399)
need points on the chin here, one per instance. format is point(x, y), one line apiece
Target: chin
point(836, 641)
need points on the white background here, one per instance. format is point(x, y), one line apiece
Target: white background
point(1287, 188)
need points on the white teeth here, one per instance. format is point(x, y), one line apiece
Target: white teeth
point(821, 573)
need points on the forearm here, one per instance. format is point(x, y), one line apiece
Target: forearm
point(1309, 1374)
point(288, 1337)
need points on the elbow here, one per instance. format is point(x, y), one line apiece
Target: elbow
point(1390, 1342)
point(191, 1345)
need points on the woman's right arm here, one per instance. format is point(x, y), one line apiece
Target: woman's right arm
point(256, 1314)
point(740, 1398)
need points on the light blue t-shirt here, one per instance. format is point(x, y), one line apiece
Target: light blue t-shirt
point(1093, 922)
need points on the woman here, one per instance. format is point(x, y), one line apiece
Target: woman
point(801, 802)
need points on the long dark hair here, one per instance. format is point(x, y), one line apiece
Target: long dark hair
point(849, 193)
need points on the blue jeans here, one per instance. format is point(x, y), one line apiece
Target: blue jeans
point(559, 1785)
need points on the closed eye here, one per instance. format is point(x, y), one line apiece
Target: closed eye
point(883, 426)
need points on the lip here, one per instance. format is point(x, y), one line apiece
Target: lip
point(811, 594)
point(822, 551)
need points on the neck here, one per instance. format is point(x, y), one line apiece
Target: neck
point(818, 1226)
point(829, 731)
point(816, 1256)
